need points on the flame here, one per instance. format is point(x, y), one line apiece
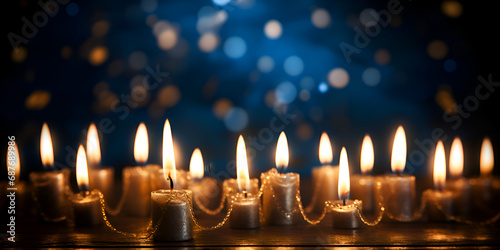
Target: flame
point(196, 165)
point(398, 159)
point(168, 153)
point(93, 147)
point(367, 157)
point(242, 175)
point(46, 150)
point(15, 163)
point(141, 145)
point(456, 158)
point(282, 152)
point(325, 149)
point(439, 175)
point(82, 173)
point(344, 183)
point(487, 160)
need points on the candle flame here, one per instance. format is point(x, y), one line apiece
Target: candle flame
point(46, 150)
point(456, 158)
point(367, 157)
point(168, 153)
point(196, 165)
point(325, 149)
point(14, 162)
point(93, 147)
point(141, 145)
point(242, 175)
point(487, 160)
point(282, 152)
point(439, 175)
point(344, 182)
point(398, 159)
point(82, 173)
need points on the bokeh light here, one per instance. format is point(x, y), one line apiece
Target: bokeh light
point(369, 17)
point(137, 60)
point(304, 95)
point(98, 55)
point(221, 107)
point(19, 54)
point(37, 100)
point(371, 76)
point(293, 65)
point(437, 49)
point(236, 119)
point(273, 29)
point(235, 47)
point(382, 57)
point(169, 96)
point(322, 87)
point(167, 39)
point(286, 92)
point(221, 2)
point(100, 28)
point(265, 64)
point(452, 8)
point(338, 78)
point(320, 18)
point(208, 42)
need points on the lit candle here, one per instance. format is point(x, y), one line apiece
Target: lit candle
point(362, 185)
point(457, 183)
point(183, 177)
point(15, 184)
point(86, 206)
point(138, 181)
point(345, 214)
point(324, 178)
point(397, 191)
point(439, 199)
point(205, 190)
point(171, 209)
point(486, 185)
point(280, 190)
point(101, 178)
point(50, 188)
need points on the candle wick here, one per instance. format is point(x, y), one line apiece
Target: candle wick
point(171, 181)
point(344, 201)
point(245, 194)
point(281, 169)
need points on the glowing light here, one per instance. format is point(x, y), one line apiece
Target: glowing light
point(235, 47)
point(137, 60)
point(382, 57)
point(320, 18)
point(236, 119)
point(452, 9)
point(168, 153)
point(100, 28)
point(369, 17)
point(221, 107)
point(208, 42)
point(46, 150)
point(439, 175)
point(437, 49)
point(325, 149)
point(273, 29)
point(169, 96)
point(371, 76)
point(344, 182)
point(141, 144)
point(221, 2)
point(367, 156)
point(293, 65)
point(38, 100)
point(196, 168)
point(286, 92)
point(242, 175)
point(98, 55)
point(398, 158)
point(487, 161)
point(82, 172)
point(282, 152)
point(323, 87)
point(456, 158)
point(19, 55)
point(93, 146)
point(265, 64)
point(338, 78)
point(167, 39)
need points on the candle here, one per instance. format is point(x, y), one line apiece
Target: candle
point(21, 189)
point(397, 191)
point(171, 214)
point(205, 190)
point(138, 181)
point(344, 211)
point(439, 200)
point(280, 190)
point(50, 187)
point(362, 185)
point(86, 206)
point(482, 187)
point(324, 178)
point(245, 213)
point(101, 178)
point(457, 184)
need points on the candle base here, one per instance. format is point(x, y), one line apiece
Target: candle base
point(347, 217)
point(86, 209)
point(50, 191)
point(103, 179)
point(171, 215)
point(279, 198)
point(439, 204)
point(245, 213)
point(397, 194)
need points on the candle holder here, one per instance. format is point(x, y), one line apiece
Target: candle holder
point(86, 209)
point(279, 197)
point(50, 192)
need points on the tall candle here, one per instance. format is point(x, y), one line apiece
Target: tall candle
point(362, 185)
point(280, 190)
point(206, 190)
point(482, 187)
point(50, 188)
point(14, 185)
point(397, 191)
point(324, 178)
point(457, 184)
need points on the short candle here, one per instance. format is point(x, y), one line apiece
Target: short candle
point(362, 185)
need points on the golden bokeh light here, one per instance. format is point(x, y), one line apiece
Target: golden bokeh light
point(221, 107)
point(19, 54)
point(37, 100)
point(100, 28)
point(382, 57)
point(452, 8)
point(437, 49)
point(98, 55)
point(169, 96)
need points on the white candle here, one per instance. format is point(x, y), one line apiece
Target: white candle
point(206, 190)
point(482, 187)
point(362, 185)
point(457, 184)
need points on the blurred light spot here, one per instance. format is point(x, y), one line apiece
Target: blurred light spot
point(307, 83)
point(19, 55)
point(437, 49)
point(167, 39)
point(304, 131)
point(270, 98)
point(221, 2)
point(273, 29)
point(320, 18)
point(221, 107)
point(293, 65)
point(137, 60)
point(236, 119)
point(208, 42)
point(316, 114)
point(100, 28)
point(169, 96)
point(445, 99)
point(161, 26)
point(100, 87)
point(136, 81)
point(450, 65)
point(285, 92)
point(210, 19)
point(452, 9)
point(235, 47)
point(323, 87)
point(382, 57)
point(304, 95)
point(369, 17)
point(180, 50)
point(66, 52)
point(245, 4)
point(72, 9)
point(149, 5)
point(115, 68)
point(371, 76)
point(37, 100)
point(151, 20)
point(265, 64)
point(253, 76)
point(338, 78)
point(29, 75)
point(139, 95)
point(98, 55)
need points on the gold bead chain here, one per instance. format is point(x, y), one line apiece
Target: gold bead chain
point(312, 222)
point(466, 221)
point(208, 211)
point(218, 225)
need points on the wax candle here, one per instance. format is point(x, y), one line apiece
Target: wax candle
point(19, 190)
point(457, 184)
point(171, 209)
point(345, 212)
point(324, 178)
point(86, 207)
point(50, 188)
point(362, 185)
point(482, 187)
point(397, 191)
point(101, 178)
point(205, 190)
point(245, 213)
point(280, 190)
point(439, 200)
